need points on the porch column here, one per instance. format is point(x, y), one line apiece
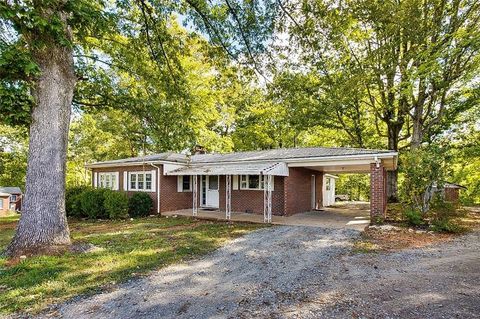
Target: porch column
point(267, 198)
point(195, 196)
point(228, 196)
point(378, 192)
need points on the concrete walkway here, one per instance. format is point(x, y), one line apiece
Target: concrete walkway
point(350, 215)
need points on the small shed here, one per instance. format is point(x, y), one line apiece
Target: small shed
point(451, 192)
point(10, 199)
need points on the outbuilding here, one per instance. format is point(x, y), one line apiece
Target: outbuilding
point(10, 199)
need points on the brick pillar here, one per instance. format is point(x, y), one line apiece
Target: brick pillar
point(378, 192)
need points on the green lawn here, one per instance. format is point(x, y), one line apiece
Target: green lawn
point(128, 248)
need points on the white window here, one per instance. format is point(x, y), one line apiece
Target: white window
point(13, 198)
point(1, 203)
point(108, 180)
point(253, 182)
point(141, 181)
point(327, 184)
point(184, 183)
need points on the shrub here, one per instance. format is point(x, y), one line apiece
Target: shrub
point(116, 204)
point(413, 217)
point(73, 204)
point(92, 202)
point(448, 226)
point(140, 205)
point(444, 217)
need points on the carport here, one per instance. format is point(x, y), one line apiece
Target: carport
point(298, 175)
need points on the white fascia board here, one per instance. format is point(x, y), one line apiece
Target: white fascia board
point(100, 165)
point(332, 163)
point(308, 160)
point(168, 167)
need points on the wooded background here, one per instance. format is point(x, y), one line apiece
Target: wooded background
point(250, 75)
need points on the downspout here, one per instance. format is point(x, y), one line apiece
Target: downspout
point(158, 187)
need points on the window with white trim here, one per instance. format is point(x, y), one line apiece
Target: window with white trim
point(184, 183)
point(1, 203)
point(252, 182)
point(108, 180)
point(328, 183)
point(140, 181)
point(13, 198)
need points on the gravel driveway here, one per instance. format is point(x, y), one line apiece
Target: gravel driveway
point(301, 272)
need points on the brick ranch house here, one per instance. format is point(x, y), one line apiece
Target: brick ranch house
point(278, 181)
point(10, 199)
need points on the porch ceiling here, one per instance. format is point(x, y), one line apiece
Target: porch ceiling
point(346, 166)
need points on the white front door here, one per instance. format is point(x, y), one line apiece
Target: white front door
point(210, 191)
point(328, 191)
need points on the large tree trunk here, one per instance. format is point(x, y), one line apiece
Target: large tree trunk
point(392, 176)
point(417, 132)
point(43, 225)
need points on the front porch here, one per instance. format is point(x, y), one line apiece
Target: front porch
point(356, 217)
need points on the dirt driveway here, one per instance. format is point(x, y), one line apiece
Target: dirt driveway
point(301, 272)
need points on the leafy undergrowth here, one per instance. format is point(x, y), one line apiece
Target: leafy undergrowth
point(127, 249)
point(373, 241)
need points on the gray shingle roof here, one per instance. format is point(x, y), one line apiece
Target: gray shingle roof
point(284, 153)
point(10, 190)
point(266, 155)
point(167, 156)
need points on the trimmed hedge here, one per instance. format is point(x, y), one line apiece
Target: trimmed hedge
point(93, 203)
point(140, 205)
point(73, 204)
point(101, 203)
point(116, 204)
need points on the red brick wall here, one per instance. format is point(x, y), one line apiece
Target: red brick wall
point(120, 170)
point(378, 191)
point(298, 190)
point(291, 194)
point(252, 200)
point(319, 190)
point(170, 198)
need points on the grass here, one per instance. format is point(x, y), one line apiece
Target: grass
point(128, 249)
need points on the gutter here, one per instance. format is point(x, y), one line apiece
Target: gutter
point(158, 186)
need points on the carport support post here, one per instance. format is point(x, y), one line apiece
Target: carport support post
point(228, 196)
point(378, 192)
point(195, 197)
point(267, 198)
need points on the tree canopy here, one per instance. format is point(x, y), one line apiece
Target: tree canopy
point(130, 77)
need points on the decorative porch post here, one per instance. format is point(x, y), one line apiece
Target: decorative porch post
point(267, 198)
point(228, 196)
point(195, 197)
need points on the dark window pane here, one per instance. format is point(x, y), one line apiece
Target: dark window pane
point(133, 179)
point(213, 182)
point(186, 183)
point(253, 181)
